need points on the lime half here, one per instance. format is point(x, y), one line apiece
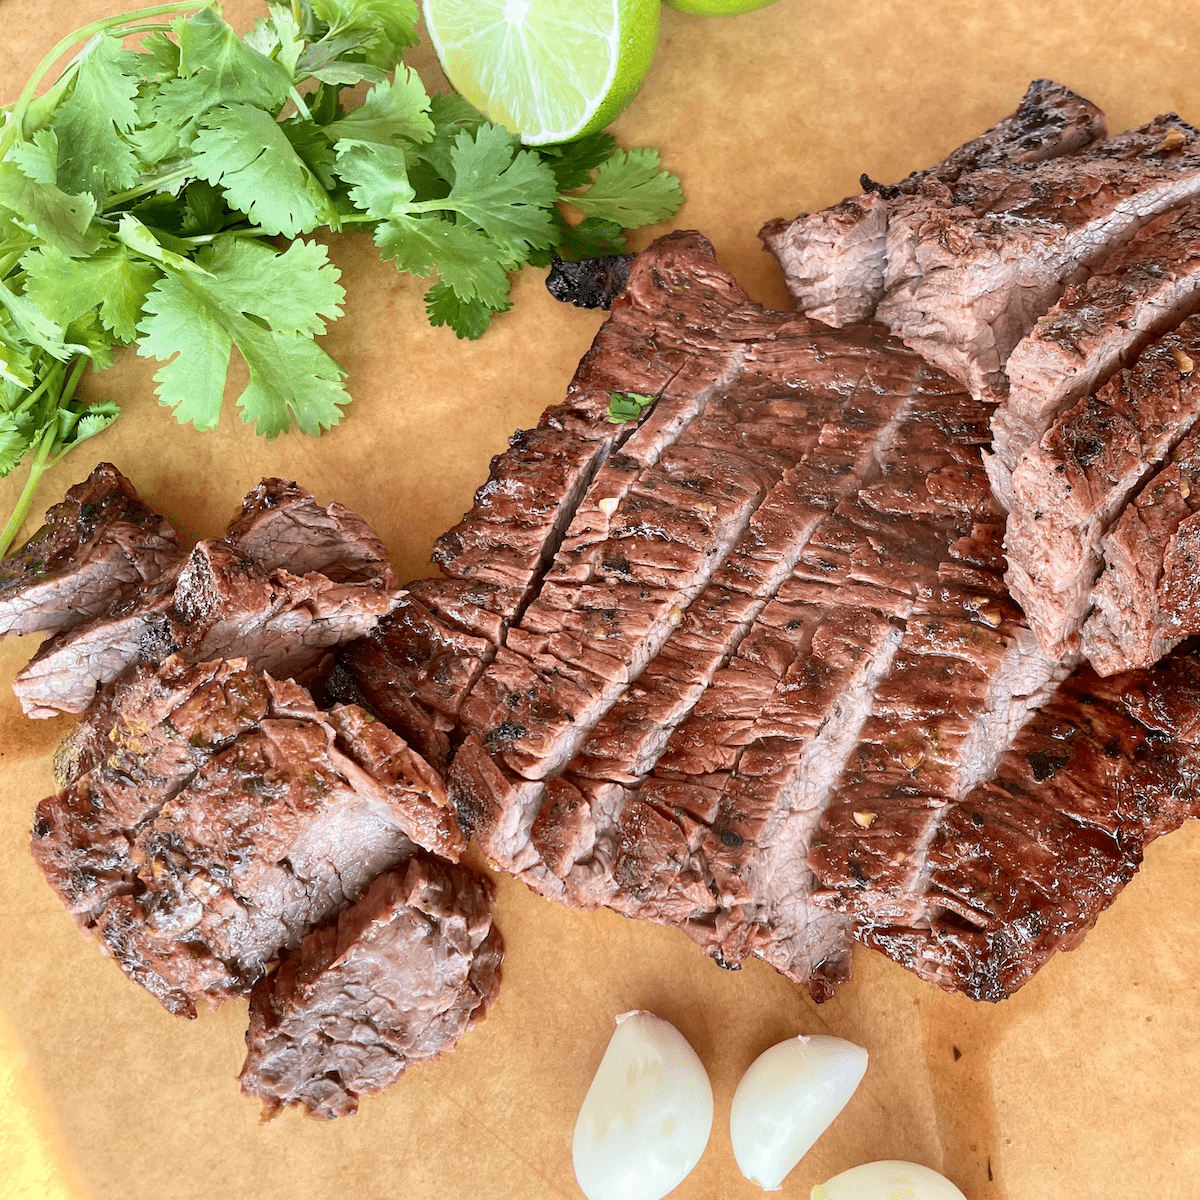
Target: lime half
point(549, 70)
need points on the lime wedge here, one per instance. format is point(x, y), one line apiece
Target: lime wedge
point(549, 70)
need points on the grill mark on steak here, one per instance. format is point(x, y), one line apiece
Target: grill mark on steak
point(1143, 290)
point(1066, 526)
point(210, 814)
point(98, 548)
point(835, 260)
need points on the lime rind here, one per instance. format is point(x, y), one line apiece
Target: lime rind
point(546, 70)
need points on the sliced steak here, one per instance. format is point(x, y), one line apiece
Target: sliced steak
point(223, 601)
point(394, 980)
point(209, 815)
point(100, 547)
point(1068, 544)
point(786, 577)
point(1021, 866)
point(282, 525)
point(836, 260)
point(1147, 599)
point(1143, 290)
point(961, 271)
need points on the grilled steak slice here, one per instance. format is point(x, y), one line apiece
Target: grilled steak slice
point(976, 896)
point(210, 814)
point(1146, 600)
point(98, 548)
point(1070, 490)
point(394, 980)
point(282, 525)
point(223, 601)
point(1143, 290)
point(835, 260)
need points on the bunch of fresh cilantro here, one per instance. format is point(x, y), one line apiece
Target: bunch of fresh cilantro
point(146, 196)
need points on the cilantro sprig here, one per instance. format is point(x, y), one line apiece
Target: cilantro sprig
point(627, 406)
point(146, 195)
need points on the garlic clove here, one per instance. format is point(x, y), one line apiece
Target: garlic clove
point(646, 1118)
point(887, 1181)
point(787, 1098)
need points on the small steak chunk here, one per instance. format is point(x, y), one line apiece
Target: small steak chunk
point(99, 547)
point(394, 980)
point(289, 581)
point(211, 814)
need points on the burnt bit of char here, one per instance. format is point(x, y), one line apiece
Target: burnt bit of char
point(592, 283)
point(1044, 766)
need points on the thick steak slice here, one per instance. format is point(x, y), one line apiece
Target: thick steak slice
point(835, 260)
point(1143, 290)
point(1022, 866)
point(1070, 490)
point(210, 815)
point(100, 547)
point(223, 601)
point(1147, 599)
point(394, 980)
point(970, 269)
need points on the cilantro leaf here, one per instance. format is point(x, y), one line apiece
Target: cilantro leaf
point(194, 322)
point(38, 158)
point(310, 143)
point(468, 318)
point(278, 36)
point(390, 113)
point(159, 59)
point(78, 421)
point(505, 191)
point(244, 150)
point(574, 162)
point(111, 279)
point(468, 261)
point(44, 210)
point(593, 237)
point(631, 190)
point(92, 156)
point(378, 175)
point(216, 67)
point(627, 406)
point(383, 27)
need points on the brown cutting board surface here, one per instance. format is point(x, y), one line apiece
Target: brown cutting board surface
point(1086, 1084)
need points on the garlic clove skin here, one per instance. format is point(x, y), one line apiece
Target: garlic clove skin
point(892, 1180)
point(787, 1098)
point(646, 1118)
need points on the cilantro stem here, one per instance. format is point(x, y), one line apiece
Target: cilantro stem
point(14, 131)
point(47, 440)
point(151, 185)
point(25, 501)
point(301, 107)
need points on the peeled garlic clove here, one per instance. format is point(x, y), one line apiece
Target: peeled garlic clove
point(787, 1098)
point(888, 1181)
point(646, 1118)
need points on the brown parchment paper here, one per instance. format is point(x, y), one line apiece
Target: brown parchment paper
point(1084, 1085)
